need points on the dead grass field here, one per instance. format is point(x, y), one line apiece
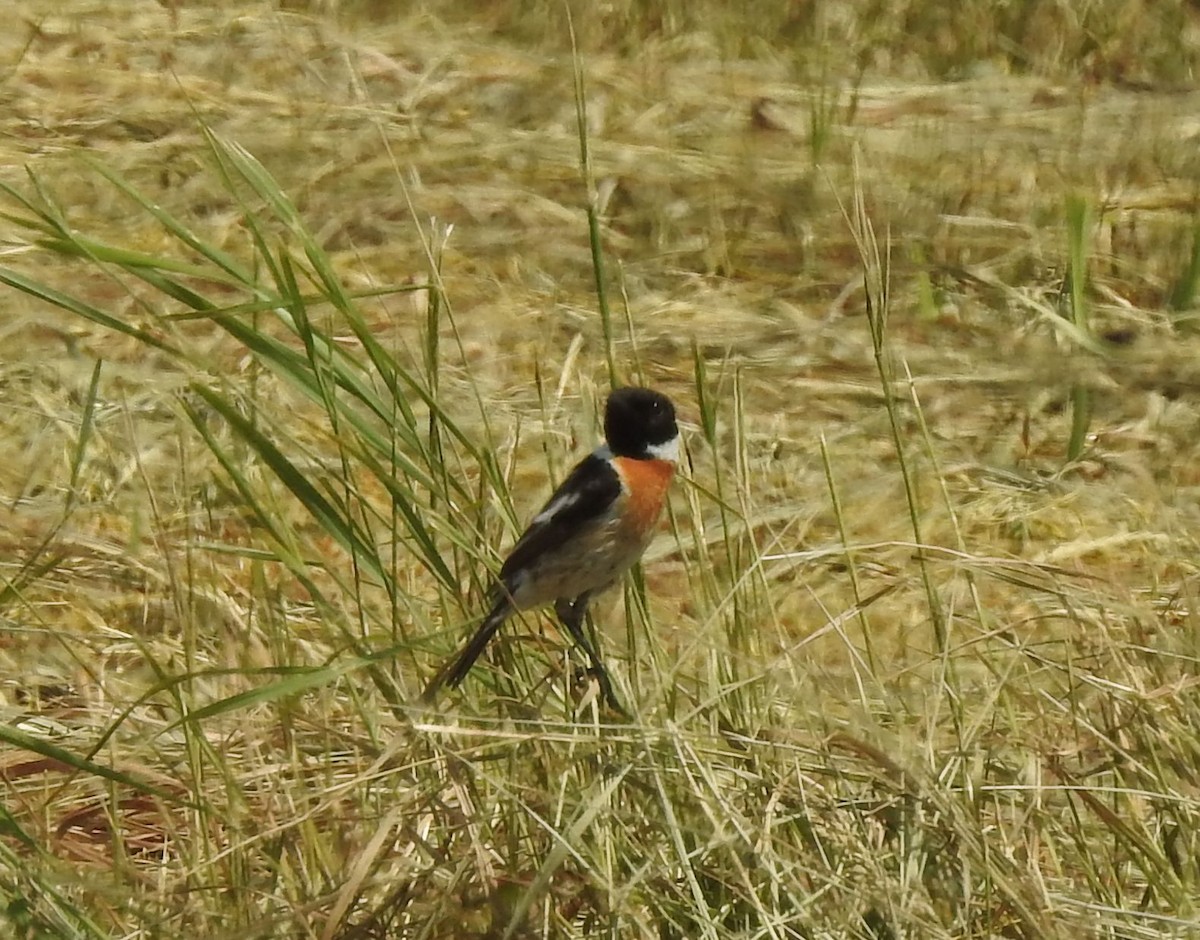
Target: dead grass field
point(956, 699)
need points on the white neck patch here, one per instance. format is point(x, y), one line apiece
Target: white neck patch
point(668, 450)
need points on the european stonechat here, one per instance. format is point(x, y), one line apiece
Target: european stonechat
point(591, 531)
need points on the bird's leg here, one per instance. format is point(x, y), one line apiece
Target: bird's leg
point(572, 613)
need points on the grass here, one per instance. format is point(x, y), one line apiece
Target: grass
point(305, 307)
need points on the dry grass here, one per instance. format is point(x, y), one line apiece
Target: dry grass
point(901, 668)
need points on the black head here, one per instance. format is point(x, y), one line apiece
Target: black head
point(639, 422)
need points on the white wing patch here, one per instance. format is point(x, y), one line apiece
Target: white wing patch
point(556, 506)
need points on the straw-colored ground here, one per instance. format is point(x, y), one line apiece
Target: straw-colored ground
point(905, 669)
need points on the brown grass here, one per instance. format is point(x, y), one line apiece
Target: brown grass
point(801, 767)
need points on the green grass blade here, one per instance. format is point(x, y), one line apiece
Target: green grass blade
point(332, 519)
point(296, 682)
point(61, 755)
point(79, 308)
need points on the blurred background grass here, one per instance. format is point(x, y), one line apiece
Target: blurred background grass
point(843, 730)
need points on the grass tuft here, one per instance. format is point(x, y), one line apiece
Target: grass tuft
point(304, 320)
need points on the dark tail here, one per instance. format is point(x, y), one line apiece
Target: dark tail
point(456, 670)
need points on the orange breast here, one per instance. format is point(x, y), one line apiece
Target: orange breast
point(646, 484)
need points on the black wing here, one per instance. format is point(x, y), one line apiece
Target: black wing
point(583, 496)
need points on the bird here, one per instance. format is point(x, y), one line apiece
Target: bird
point(593, 528)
